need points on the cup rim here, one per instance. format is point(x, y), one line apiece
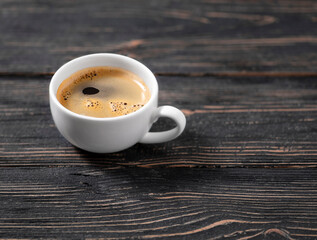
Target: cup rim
point(90, 118)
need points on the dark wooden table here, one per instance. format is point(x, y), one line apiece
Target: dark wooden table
point(244, 73)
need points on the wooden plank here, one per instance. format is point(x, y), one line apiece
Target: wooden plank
point(88, 202)
point(231, 122)
point(168, 36)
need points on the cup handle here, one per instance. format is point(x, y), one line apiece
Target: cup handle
point(159, 137)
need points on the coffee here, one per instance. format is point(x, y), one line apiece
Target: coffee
point(103, 92)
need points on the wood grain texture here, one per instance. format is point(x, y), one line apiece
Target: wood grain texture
point(168, 35)
point(135, 203)
point(231, 122)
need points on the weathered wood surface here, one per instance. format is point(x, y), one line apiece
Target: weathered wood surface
point(158, 203)
point(257, 122)
point(169, 36)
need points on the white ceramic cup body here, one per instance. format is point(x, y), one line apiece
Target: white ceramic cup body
point(105, 135)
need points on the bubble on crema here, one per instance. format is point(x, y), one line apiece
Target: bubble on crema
point(92, 104)
point(66, 95)
point(123, 107)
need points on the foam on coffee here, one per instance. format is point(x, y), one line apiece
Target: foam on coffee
point(103, 92)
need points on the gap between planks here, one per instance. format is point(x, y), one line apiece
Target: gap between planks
point(189, 74)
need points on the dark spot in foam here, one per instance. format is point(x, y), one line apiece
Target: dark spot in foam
point(90, 91)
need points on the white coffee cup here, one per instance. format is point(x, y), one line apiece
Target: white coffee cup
point(106, 135)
